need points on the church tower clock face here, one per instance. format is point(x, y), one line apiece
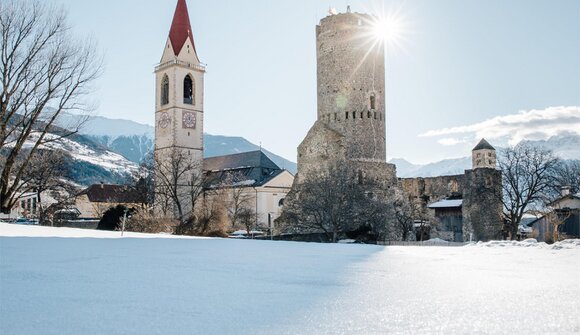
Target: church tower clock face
point(164, 120)
point(188, 120)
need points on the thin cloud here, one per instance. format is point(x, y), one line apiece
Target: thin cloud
point(513, 128)
point(451, 141)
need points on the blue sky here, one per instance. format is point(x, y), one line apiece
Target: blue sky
point(461, 66)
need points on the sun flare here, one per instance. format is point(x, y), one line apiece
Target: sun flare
point(388, 29)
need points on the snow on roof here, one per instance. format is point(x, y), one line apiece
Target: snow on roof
point(447, 203)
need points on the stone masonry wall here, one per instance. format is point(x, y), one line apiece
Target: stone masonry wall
point(482, 207)
point(433, 189)
point(351, 84)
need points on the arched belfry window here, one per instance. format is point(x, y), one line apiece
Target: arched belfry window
point(165, 90)
point(188, 90)
point(373, 101)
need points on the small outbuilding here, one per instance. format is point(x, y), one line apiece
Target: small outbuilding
point(449, 214)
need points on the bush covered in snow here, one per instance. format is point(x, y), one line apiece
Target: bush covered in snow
point(531, 242)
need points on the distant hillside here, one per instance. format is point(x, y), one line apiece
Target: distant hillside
point(88, 162)
point(134, 140)
point(566, 147)
point(445, 167)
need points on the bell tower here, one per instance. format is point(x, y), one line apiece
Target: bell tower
point(179, 110)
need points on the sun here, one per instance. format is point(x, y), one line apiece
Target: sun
point(389, 29)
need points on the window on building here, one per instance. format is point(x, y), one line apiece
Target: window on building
point(33, 205)
point(281, 202)
point(188, 90)
point(373, 101)
point(346, 115)
point(165, 90)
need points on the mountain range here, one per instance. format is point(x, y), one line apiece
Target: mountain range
point(566, 147)
point(106, 147)
point(134, 140)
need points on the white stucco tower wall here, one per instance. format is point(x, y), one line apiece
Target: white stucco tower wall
point(179, 87)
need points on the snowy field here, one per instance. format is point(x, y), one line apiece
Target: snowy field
point(66, 281)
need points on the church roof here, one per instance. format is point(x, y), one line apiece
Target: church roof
point(236, 161)
point(180, 28)
point(483, 144)
point(245, 169)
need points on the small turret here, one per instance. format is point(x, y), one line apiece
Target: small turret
point(483, 155)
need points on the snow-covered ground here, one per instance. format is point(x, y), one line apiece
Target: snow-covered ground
point(85, 285)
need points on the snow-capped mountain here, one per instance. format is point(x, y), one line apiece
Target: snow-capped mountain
point(445, 167)
point(134, 140)
point(88, 162)
point(566, 147)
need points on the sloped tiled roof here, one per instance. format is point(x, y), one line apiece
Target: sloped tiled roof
point(108, 193)
point(242, 160)
point(245, 169)
point(483, 144)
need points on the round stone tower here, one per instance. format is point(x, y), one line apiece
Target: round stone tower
point(351, 84)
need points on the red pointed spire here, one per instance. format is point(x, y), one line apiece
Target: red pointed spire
point(180, 28)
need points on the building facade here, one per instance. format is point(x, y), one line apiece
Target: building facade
point(179, 87)
point(251, 181)
point(463, 207)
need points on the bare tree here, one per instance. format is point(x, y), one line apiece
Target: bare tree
point(142, 183)
point(335, 201)
point(565, 174)
point(178, 183)
point(526, 172)
point(556, 218)
point(44, 72)
point(46, 172)
point(209, 216)
point(238, 200)
point(247, 217)
point(405, 214)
